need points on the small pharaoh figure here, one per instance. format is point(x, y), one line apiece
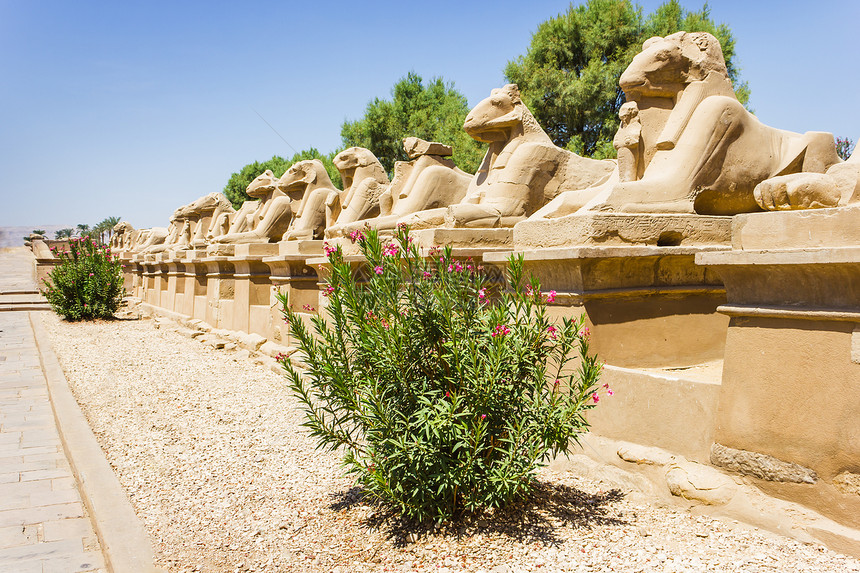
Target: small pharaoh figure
point(627, 140)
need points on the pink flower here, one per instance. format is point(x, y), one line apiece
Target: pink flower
point(308, 307)
point(91, 274)
point(356, 236)
point(328, 290)
point(556, 383)
point(447, 394)
point(482, 295)
point(552, 332)
point(610, 392)
point(595, 397)
point(390, 250)
point(551, 296)
point(377, 269)
point(585, 332)
point(328, 249)
point(427, 274)
point(483, 416)
point(500, 330)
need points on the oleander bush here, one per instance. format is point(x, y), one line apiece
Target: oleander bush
point(87, 282)
point(446, 391)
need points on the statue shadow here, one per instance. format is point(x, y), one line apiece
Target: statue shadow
point(534, 519)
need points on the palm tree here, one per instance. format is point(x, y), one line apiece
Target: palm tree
point(110, 223)
point(63, 233)
point(83, 229)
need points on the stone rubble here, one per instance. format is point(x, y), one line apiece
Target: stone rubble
point(208, 444)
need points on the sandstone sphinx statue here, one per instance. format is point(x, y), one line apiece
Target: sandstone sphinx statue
point(148, 238)
point(123, 237)
point(364, 181)
point(429, 181)
point(308, 180)
point(521, 170)
point(263, 220)
point(172, 238)
point(203, 213)
point(700, 150)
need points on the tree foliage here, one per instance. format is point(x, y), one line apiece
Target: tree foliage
point(569, 75)
point(434, 111)
point(63, 233)
point(239, 181)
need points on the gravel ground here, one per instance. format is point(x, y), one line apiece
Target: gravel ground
point(209, 447)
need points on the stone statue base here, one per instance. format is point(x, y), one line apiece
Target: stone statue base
point(789, 394)
point(663, 230)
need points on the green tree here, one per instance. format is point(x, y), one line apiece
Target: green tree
point(83, 229)
point(239, 181)
point(63, 233)
point(109, 223)
point(434, 111)
point(569, 75)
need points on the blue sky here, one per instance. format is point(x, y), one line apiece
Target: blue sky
point(132, 108)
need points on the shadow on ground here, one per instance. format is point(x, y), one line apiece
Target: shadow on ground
point(535, 519)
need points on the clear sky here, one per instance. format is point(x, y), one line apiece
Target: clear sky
point(131, 108)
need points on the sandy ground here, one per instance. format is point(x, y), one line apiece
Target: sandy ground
point(209, 447)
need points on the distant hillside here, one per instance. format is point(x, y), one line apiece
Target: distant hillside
point(14, 236)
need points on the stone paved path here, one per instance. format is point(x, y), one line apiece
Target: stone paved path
point(17, 281)
point(44, 527)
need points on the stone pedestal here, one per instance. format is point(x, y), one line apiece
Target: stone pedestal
point(292, 275)
point(194, 298)
point(658, 230)
point(484, 239)
point(175, 272)
point(128, 272)
point(252, 286)
point(652, 316)
point(790, 392)
point(219, 292)
point(646, 307)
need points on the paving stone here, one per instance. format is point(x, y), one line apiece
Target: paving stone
point(66, 528)
point(44, 474)
point(26, 452)
point(26, 488)
point(62, 483)
point(77, 563)
point(32, 515)
point(40, 552)
point(17, 535)
point(29, 466)
point(55, 456)
point(53, 497)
